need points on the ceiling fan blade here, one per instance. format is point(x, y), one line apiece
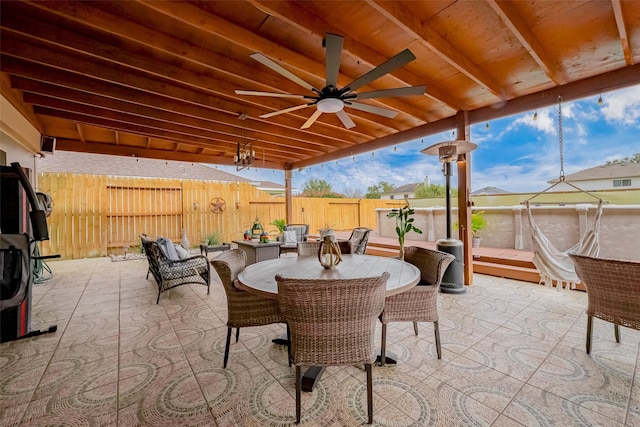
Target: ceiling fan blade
point(278, 69)
point(345, 119)
point(271, 94)
point(333, 46)
point(389, 65)
point(371, 109)
point(400, 91)
point(286, 110)
point(311, 119)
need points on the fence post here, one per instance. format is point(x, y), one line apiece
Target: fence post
point(517, 224)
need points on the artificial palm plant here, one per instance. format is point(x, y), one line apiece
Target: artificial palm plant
point(404, 224)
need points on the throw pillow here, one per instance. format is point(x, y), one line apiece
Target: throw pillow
point(182, 252)
point(290, 237)
point(167, 248)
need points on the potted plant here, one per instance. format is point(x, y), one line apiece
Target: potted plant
point(212, 239)
point(279, 224)
point(404, 224)
point(326, 230)
point(478, 222)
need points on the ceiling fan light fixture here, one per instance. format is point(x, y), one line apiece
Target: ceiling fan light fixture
point(330, 105)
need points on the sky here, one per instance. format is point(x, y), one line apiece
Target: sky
point(515, 153)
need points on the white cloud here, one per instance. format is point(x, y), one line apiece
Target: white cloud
point(623, 106)
point(544, 123)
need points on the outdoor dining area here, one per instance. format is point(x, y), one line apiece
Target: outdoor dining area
point(505, 353)
point(305, 329)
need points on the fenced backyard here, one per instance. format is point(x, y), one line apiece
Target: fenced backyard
point(97, 215)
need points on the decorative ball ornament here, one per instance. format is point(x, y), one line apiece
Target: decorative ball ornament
point(217, 205)
point(329, 253)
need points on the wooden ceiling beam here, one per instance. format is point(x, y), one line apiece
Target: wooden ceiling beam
point(293, 14)
point(508, 14)
point(65, 144)
point(80, 132)
point(124, 118)
point(179, 49)
point(132, 95)
point(262, 130)
point(613, 80)
point(387, 141)
point(411, 24)
point(228, 148)
point(131, 116)
point(148, 91)
point(14, 96)
point(622, 31)
point(315, 68)
point(219, 85)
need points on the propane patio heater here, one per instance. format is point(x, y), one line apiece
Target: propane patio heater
point(447, 152)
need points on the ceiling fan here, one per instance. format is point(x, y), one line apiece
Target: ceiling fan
point(331, 99)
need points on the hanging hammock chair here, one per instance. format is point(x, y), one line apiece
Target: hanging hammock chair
point(556, 265)
point(552, 263)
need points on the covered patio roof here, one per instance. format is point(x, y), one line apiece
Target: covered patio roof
point(159, 79)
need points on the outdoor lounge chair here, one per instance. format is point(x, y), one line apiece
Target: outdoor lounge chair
point(332, 323)
point(171, 273)
point(613, 292)
point(357, 243)
point(302, 234)
point(419, 304)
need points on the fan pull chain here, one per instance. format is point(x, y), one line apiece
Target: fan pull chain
point(560, 138)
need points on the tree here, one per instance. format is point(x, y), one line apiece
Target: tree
point(353, 193)
point(433, 191)
point(375, 191)
point(633, 159)
point(319, 188)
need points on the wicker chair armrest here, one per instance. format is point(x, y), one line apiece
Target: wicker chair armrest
point(419, 304)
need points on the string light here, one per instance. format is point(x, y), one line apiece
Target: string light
point(395, 149)
point(600, 101)
point(487, 126)
point(422, 141)
point(535, 116)
point(372, 154)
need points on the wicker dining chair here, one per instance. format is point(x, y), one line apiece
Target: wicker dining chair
point(332, 323)
point(243, 308)
point(419, 304)
point(613, 292)
point(308, 248)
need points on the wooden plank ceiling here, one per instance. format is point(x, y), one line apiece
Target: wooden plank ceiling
point(157, 79)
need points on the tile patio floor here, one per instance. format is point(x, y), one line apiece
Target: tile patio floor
point(513, 354)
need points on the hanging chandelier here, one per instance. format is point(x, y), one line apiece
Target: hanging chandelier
point(246, 154)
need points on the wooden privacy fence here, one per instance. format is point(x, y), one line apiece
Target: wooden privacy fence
point(95, 215)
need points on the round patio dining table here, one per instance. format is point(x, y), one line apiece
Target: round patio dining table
point(259, 279)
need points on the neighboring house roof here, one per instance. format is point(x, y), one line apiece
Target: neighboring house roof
point(404, 189)
point(272, 188)
point(619, 170)
point(102, 164)
point(269, 185)
point(490, 190)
